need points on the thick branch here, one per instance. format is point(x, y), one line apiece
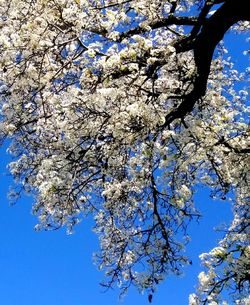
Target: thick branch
point(203, 46)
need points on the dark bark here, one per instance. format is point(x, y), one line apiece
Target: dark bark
point(203, 46)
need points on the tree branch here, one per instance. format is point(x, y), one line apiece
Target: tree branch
point(211, 34)
point(170, 20)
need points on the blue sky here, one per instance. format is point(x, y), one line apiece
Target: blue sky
point(52, 268)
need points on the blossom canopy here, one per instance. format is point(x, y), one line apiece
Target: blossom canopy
point(120, 109)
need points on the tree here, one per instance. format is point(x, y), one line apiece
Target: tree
point(120, 109)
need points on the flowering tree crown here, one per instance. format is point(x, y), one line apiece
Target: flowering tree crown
point(120, 108)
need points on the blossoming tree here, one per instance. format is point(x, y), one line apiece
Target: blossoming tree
point(120, 108)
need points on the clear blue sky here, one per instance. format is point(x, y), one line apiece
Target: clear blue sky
point(52, 268)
